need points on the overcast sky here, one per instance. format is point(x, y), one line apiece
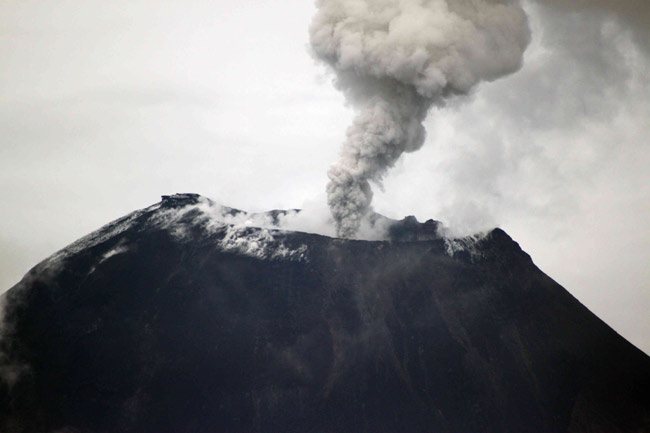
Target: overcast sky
point(104, 106)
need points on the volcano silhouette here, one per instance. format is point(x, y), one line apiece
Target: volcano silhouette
point(172, 320)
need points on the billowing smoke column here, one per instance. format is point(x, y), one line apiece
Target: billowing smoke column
point(395, 59)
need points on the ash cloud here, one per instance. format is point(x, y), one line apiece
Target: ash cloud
point(555, 155)
point(394, 60)
point(538, 142)
point(632, 14)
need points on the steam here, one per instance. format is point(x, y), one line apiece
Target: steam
point(394, 60)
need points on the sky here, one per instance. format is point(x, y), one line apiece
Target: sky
point(105, 106)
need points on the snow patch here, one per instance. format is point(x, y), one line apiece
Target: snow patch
point(113, 252)
point(254, 235)
point(260, 243)
point(468, 244)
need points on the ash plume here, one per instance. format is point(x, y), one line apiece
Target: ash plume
point(394, 60)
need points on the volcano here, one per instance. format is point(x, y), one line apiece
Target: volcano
point(181, 318)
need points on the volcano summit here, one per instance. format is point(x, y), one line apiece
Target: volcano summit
point(187, 316)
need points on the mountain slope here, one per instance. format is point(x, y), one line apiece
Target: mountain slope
point(172, 319)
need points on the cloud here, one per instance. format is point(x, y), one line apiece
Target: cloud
point(554, 154)
point(534, 143)
point(631, 14)
point(393, 61)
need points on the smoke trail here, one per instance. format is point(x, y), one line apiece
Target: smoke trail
point(395, 59)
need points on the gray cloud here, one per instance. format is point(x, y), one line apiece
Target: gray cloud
point(393, 61)
point(555, 155)
point(634, 15)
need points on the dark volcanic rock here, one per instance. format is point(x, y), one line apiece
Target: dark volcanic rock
point(169, 321)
